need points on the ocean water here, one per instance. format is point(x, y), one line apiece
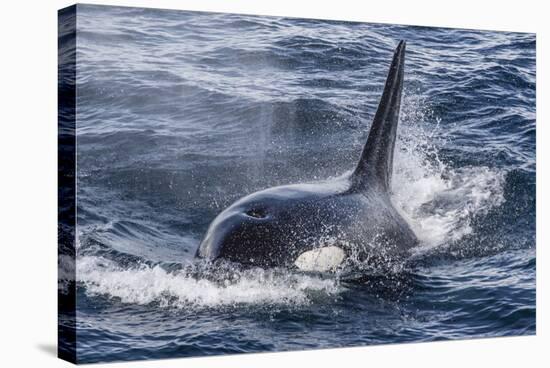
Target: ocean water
point(181, 113)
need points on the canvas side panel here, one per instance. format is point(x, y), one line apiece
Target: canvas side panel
point(66, 136)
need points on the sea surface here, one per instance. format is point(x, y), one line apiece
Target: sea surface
point(181, 113)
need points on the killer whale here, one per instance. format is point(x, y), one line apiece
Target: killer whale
point(318, 226)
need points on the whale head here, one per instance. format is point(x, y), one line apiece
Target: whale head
point(272, 227)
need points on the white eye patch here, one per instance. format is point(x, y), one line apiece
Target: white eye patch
point(320, 259)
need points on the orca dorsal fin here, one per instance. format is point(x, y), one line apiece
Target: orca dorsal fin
point(376, 162)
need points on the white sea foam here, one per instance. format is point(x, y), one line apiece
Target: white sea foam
point(145, 284)
point(438, 201)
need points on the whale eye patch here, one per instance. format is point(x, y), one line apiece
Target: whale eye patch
point(257, 213)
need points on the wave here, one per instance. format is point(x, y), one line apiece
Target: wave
point(170, 132)
point(198, 286)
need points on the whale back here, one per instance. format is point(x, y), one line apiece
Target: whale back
point(375, 166)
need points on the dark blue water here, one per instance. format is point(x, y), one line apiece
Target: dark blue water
point(181, 113)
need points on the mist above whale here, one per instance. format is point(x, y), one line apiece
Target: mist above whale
point(317, 226)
